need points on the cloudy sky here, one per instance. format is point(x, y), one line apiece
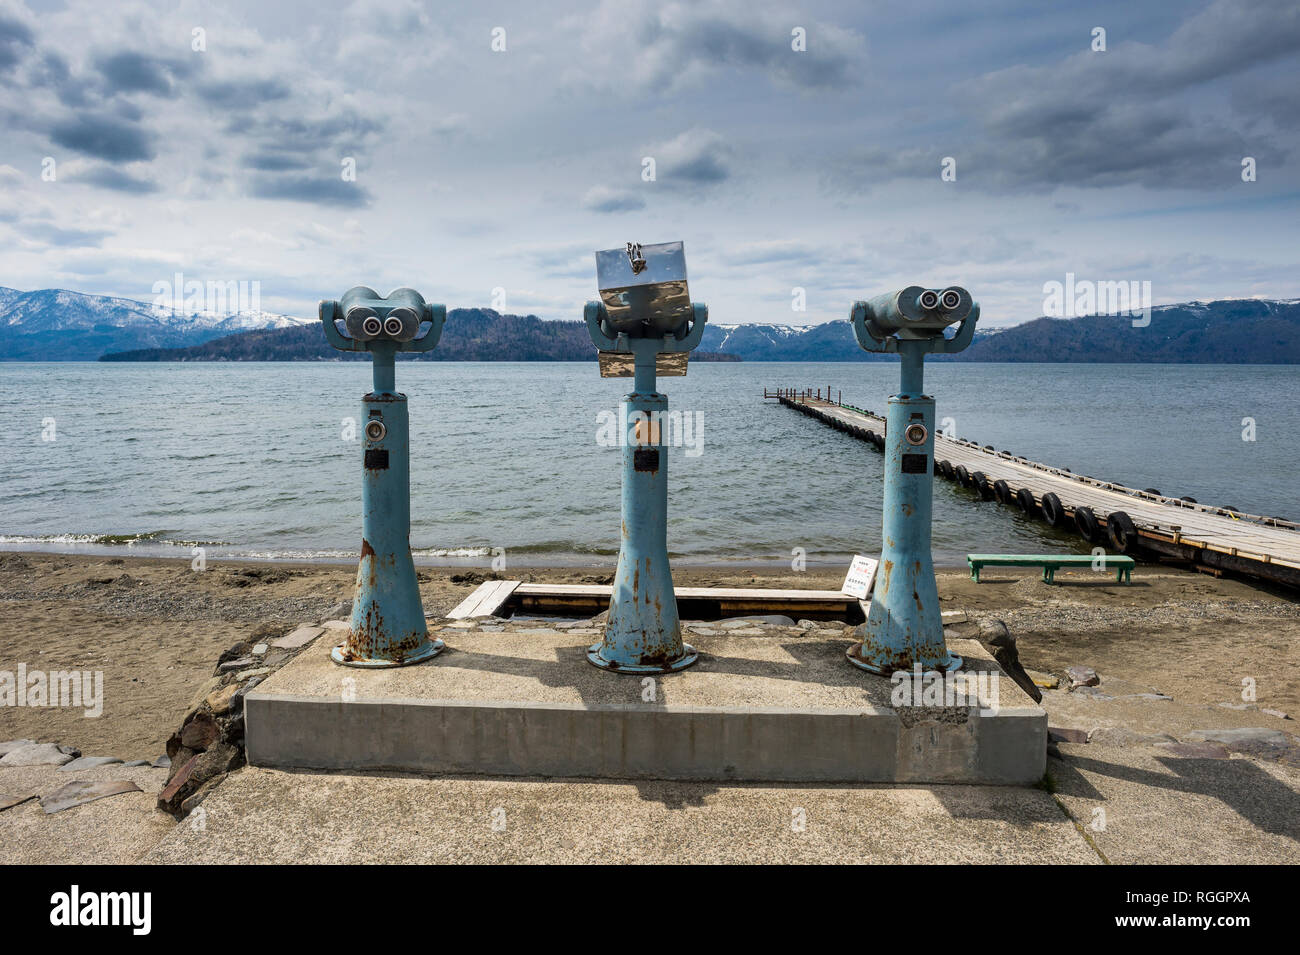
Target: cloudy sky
point(215, 140)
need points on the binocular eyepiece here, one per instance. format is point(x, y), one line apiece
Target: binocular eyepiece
point(368, 316)
point(930, 300)
point(917, 312)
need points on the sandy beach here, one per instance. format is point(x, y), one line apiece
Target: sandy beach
point(155, 628)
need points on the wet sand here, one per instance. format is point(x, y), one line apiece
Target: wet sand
point(155, 628)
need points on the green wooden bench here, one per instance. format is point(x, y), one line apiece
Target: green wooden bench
point(1123, 566)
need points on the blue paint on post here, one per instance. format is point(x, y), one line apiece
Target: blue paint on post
point(904, 626)
point(643, 634)
point(388, 626)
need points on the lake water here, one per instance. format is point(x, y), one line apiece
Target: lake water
point(250, 458)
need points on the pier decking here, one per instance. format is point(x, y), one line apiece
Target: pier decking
point(1213, 538)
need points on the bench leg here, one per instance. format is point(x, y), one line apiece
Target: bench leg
point(975, 573)
point(1049, 575)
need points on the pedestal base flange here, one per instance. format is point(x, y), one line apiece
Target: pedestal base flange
point(854, 653)
point(426, 652)
point(688, 657)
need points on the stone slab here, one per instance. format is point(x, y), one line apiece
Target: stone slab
point(298, 638)
point(105, 832)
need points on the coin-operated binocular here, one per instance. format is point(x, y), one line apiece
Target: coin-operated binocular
point(387, 627)
point(644, 325)
point(904, 627)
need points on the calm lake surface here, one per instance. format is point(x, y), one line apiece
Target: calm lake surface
point(251, 459)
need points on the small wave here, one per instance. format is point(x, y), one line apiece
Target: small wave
point(451, 551)
point(111, 540)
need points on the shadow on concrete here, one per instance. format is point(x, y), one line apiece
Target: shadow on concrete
point(1240, 784)
point(1013, 805)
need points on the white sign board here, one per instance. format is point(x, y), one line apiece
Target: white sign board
point(861, 577)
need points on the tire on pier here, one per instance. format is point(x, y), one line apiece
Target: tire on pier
point(870, 437)
point(879, 441)
point(945, 468)
point(1053, 511)
point(982, 485)
point(1122, 532)
point(1085, 522)
point(1188, 500)
point(1002, 491)
point(1025, 501)
point(963, 476)
point(1151, 490)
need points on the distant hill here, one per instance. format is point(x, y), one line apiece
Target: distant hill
point(1235, 331)
point(54, 324)
point(58, 325)
point(471, 334)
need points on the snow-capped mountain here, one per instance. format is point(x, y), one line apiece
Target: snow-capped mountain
point(59, 325)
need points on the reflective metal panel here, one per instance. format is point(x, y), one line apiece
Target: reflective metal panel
point(643, 288)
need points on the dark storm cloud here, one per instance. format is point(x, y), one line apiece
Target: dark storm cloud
point(1132, 115)
point(746, 43)
point(103, 137)
point(295, 138)
point(132, 72)
point(15, 38)
point(696, 158)
point(52, 234)
point(610, 200)
point(704, 167)
point(664, 45)
point(325, 190)
point(282, 148)
point(110, 177)
point(275, 162)
point(243, 94)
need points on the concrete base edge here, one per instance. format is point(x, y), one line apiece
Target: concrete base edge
point(507, 738)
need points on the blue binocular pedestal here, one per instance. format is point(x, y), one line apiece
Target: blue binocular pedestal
point(904, 625)
point(388, 627)
point(643, 634)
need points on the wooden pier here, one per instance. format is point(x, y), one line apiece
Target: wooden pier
point(1135, 522)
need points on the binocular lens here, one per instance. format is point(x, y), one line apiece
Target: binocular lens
point(392, 326)
point(929, 299)
point(372, 326)
point(950, 299)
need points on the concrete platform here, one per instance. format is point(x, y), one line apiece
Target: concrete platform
point(272, 817)
point(773, 704)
